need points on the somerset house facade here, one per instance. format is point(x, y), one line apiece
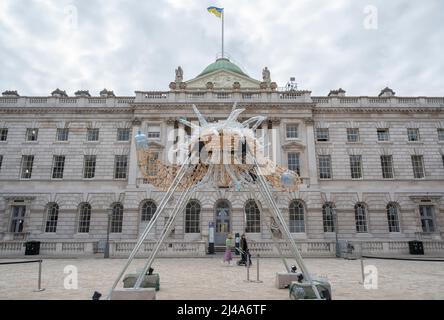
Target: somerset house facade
point(372, 168)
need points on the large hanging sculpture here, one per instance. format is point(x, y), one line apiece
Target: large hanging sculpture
point(223, 153)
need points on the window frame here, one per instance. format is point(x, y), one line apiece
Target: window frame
point(296, 131)
point(193, 212)
point(413, 135)
point(351, 134)
point(431, 218)
point(416, 173)
point(4, 134)
point(52, 217)
point(123, 134)
point(87, 168)
point(393, 218)
point(328, 219)
point(32, 134)
point(384, 167)
point(120, 167)
point(320, 132)
point(356, 171)
point(252, 217)
point(382, 133)
point(296, 164)
point(116, 223)
point(147, 210)
point(296, 214)
point(27, 160)
point(92, 133)
point(84, 221)
point(322, 169)
point(361, 215)
point(58, 167)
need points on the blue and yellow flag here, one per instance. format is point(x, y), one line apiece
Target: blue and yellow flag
point(216, 11)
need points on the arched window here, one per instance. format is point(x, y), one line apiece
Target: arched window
point(148, 210)
point(192, 217)
point(392, 217)
point(252, 216)
point(52, 215)
point(328, 217)
point(117, 218)
point(84, 217)
point(297, 223)
point(361, 217)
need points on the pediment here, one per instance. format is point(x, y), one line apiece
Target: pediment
point(293, 145)
point(223, 79)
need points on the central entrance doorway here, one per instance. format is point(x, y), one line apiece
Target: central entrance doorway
point(223, 224)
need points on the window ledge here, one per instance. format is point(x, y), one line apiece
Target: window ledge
point(31, 142)
point(385, 142)
point(122, 142)
point(61, 142)
point(415, 142)
point(353, 142)
point(92, 142)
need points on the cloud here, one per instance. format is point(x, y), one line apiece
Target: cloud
point(134, 45)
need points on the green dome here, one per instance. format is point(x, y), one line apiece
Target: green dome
point(222, 64)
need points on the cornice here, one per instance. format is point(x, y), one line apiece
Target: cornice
point(87, 110)
point(318, 110)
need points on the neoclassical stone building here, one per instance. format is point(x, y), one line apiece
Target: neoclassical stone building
point(372, 167)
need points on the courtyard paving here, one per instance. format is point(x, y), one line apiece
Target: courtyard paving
point(208, 278)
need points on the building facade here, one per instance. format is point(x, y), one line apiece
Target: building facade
point(372, 168)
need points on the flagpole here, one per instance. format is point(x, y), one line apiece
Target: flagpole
point(223, 33)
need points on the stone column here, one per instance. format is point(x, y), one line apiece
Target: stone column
point(275, 140)
point(132, 166)
point(311, 151)
point(169, 137)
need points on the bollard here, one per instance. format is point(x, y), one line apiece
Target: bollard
point(39, 283)
point(248, 270)
point(362, 271)
point(257, 269)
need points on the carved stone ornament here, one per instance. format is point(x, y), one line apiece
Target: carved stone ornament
point(210, 85)
point(263, 85)
point(179, 74)
point(236, 85)
point(182, 85)
point(266, 75)
point(173, 86)
point(273, 86)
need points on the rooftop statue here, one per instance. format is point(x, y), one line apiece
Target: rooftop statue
point(266, 75)
point(179, 74)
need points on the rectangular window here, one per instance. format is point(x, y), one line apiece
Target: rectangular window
point(352, 134)
point(152, 164)
point(62, 134)
point(1, 162)
point(120, 167)
point(356, 166)
point(17, 219)
point(387, 167)
point(58, 165)
point(92, 134)
point(440, 134)
point(325, 167)
point(418, 167)
point(32, 134)
point(123, 134)
point(26, 167)
point(413, 134)
point(293, 162)
point(3, 134)
point(153, 132)
point(427, 219)
point(89, 167)
point(322, 134)
point(292, 131)
point(383, 134)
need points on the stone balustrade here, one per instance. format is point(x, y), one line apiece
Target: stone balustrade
point(122, 249)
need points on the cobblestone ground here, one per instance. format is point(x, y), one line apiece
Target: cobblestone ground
point(208, 278)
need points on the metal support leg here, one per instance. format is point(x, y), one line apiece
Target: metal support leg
point(39, 283)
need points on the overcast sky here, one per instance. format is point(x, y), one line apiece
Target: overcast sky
point(361, 46)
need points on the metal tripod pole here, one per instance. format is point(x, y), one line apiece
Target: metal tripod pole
point(275, 211)
point(165, 199)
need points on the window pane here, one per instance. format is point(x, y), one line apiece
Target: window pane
point(17, 219)
point(361, 218)
point(152, 164)
point(441, 134)
point(84, 218)
point(3, 134)
point(392, 218)
point(328, 218)
point(123, 134)
point(383, 134)
point(153, 132)
point(32, 134)
point(387, 167)
point(58, 165)
point(253, 217)
point(117, 218)
point(120, 167)
point(92, 134)
point(413, 134)
point(89, 167)
point(192, 217)
point(52, 217)
point(324, 167)
point(352, 134)
point(1, 161)
point(292, 131)
point(356, 167)
point(62, 134)
point(296, 212)
point(293, 162)
point(427, 218)
point(148, 210)
point(322, 134)
point(27, 162)
point(418, 167)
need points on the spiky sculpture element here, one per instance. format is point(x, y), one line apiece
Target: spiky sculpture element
point(226, 149)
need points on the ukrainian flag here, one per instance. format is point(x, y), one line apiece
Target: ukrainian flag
point(216, 11)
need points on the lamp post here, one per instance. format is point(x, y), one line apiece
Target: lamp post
point(335, 217)
point(110, 213)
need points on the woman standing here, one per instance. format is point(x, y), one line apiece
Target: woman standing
point(228, 246)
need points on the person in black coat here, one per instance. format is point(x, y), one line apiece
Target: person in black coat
point(244, 248)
